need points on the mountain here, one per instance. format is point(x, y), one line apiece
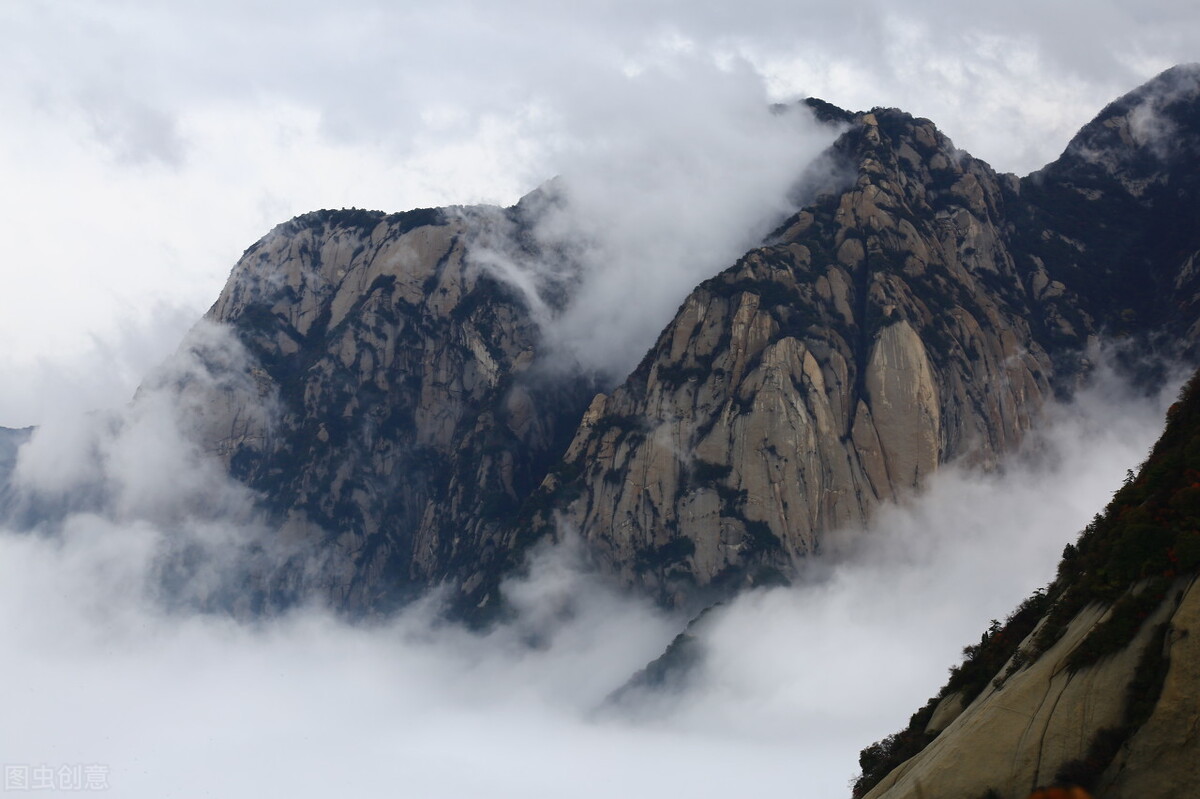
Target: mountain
point(1094, 681)
point(1122, 203)
point(390, 396)
point(409, 419)
point(881, 332)
point(922, 314)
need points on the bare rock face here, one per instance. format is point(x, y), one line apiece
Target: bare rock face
point(1018, 736)
point(1164, 755)
point(882, 332)
point(1094, 682)
point(919, 311)
point(923, 312)
point(405, 421)
point(900, 388)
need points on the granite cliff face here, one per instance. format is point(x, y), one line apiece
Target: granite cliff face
point(392, 410)
point(1095, 681)
point(408, 422)
point(920, 315)
point(881, 332)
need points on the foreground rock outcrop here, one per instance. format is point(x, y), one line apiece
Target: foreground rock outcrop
point(1094, 682)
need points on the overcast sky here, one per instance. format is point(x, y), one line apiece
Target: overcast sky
point(146, 144)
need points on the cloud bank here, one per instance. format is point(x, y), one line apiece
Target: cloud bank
point(680, 173)
point(108, 669)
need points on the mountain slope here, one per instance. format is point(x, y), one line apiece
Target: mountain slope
point(921, 315)
point(920, 310)
point(1095, 681)
point(408, 421)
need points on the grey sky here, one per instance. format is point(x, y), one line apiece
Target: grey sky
point(145, 145)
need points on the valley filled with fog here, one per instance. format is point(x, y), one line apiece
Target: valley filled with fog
point(108, 668)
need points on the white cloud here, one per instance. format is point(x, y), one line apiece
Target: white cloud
point(108, 670)
point(683, 167)
point(146, 145)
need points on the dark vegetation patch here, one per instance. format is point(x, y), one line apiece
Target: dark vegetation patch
point(1141, 696)
point(828, 112)
point(1114, 633)
point(760, 538)
point(674, 375)
point(878, 759)
point(660, 557)
point(703, 472)
point(366, 221)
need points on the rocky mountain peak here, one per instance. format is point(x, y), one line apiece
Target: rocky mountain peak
point(1146, 137)
point(919, 308)
point(880, 332)
point(410, 421)
point(1114, 219)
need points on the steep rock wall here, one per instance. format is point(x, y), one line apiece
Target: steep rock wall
point(832, 369)
point(406, 420)
point(1020, 735)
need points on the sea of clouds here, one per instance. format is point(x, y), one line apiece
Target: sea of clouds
point(108, 665)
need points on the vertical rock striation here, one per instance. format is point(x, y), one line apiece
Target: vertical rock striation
point(881, 332)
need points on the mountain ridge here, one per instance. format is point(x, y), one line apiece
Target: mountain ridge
point(916, 322)
point(921, 308)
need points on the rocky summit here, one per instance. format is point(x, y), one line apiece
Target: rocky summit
point(408, 421)
point(920, 309)
point(921, 314)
